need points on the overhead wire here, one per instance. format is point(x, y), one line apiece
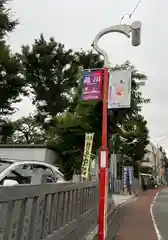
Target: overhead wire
point(135, 8)
point(132, 12)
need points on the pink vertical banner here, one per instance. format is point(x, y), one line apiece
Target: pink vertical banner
point(92, 85)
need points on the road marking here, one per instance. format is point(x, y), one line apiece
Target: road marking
point(159, 237)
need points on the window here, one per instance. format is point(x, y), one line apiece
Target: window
point(21, 174)
point(31, 174)
point(42, 174)
point(4, 165)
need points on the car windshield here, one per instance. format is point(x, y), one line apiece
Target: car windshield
point(4, 165)
point(58, 170)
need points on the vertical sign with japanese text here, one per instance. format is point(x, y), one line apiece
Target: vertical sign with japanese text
point(127, 175)
point(92, 85)
point(87, 154)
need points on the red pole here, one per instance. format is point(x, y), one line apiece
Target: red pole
point(103, 166)
point(105, 104)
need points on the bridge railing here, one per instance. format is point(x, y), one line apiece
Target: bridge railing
point(48, 212)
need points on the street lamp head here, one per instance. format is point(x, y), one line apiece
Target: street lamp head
point(136, 33)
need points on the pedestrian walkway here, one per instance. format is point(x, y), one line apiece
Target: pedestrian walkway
point(120, 199)
point(114, 201)
point(136, 222)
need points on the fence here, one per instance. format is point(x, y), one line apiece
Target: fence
point(115, 186)
point(48, 212)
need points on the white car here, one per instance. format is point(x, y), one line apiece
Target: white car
point(13, 172)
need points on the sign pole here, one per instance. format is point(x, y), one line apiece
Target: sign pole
point(103, 166)
point(135, 29)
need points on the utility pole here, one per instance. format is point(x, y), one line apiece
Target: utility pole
point(135, 30)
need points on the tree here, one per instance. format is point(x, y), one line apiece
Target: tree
point(70, 127)
point(70, 131)
point(134, 148)
point(51, 73)
point(27, 130)
point(6, 131)
point(86, 117)
point(11, 82)
point(54, 76)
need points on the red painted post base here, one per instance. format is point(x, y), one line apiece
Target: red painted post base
point(103, 191)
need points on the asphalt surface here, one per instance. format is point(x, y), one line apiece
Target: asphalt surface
point(160, 213)
point(135, 221)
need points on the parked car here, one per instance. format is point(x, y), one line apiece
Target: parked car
point(13, 172)
point(148, 181)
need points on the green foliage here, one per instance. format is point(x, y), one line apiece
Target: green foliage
point(7, 24)
point(72, 125)
point(11, 83)
point(27, 130)
point(86, 117)
point(51, 73)
point(134, 147)
point(69, 145)
point(6, 131)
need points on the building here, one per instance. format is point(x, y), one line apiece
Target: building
point(148, 163)
point(39, 152)
point(152, 161)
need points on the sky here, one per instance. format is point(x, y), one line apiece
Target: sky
point(75, 23)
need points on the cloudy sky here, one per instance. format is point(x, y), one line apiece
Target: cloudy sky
point(75, 23)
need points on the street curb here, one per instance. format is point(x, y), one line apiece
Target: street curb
point(112, 226)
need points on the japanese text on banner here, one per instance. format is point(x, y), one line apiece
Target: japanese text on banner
point(87, 154)
point(91, 85)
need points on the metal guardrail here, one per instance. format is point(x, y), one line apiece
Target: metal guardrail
point(117, 186)
point(48, 212)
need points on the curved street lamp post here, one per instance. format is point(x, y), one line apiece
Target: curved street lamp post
point(135, 30)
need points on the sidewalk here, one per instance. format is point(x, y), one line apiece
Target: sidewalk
point(114, 201)
point(121, 199)
point(136, 222)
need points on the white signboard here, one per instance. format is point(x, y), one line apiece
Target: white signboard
point(119, 91)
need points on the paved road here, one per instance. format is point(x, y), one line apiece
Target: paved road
point(135, 220)
point(160, 212)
